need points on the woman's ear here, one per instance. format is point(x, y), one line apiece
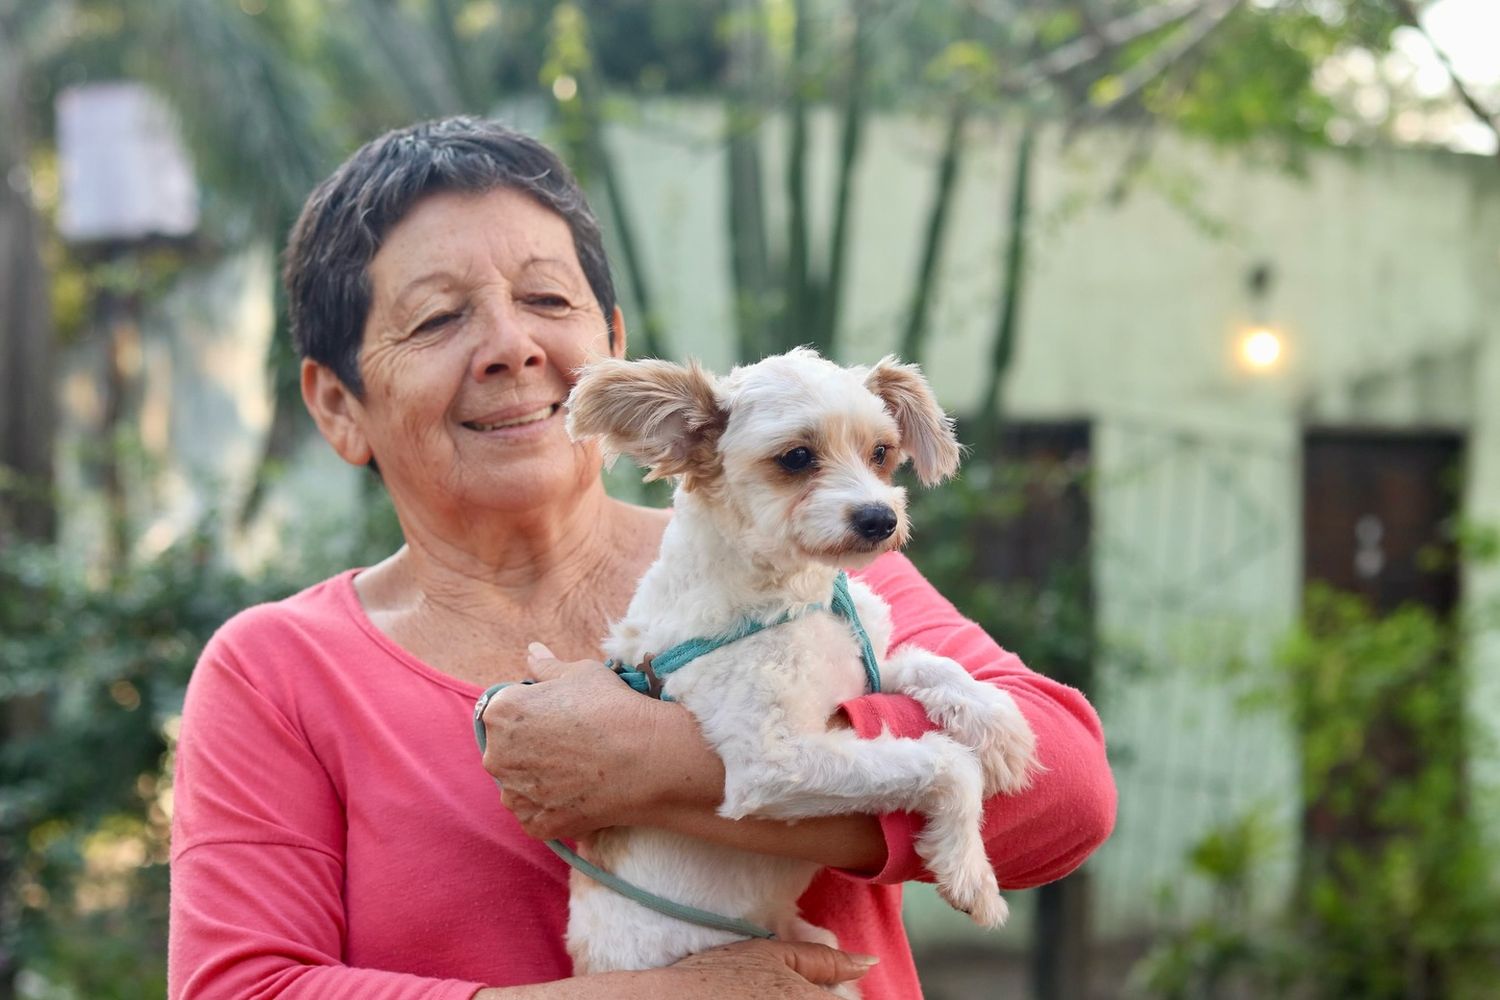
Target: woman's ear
point(336, 411)
point(617, 338)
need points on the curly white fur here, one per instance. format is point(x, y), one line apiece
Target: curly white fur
point(756, 532)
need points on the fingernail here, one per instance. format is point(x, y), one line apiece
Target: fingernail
point(539, 651)
point(865, 960)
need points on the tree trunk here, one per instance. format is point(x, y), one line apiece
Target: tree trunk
point(749, 249)
point(937, 227)
point(289, 420)
point(27, 422)
point(1013, 279)
point(796, 322)
point(590, 100)
point(27, 407)
point(830, 297)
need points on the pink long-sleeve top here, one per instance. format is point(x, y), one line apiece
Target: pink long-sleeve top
point(334, 835)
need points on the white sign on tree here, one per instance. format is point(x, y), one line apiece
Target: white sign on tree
point(125, 173)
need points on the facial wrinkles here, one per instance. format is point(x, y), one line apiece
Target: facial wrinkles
point(503, 272)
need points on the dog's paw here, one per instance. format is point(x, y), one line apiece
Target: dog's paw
point(978, 895)
point(951, 844)
point(993, 727)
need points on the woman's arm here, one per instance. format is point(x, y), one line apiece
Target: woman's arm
point(585, 751)
point(1033, 837)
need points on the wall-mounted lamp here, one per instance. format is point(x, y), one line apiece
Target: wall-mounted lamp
point(1259, 347)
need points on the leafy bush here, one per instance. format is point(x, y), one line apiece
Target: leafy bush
point(1395, 896)
point(93, 668)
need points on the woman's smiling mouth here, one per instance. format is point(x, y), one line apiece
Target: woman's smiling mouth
point(520, 420)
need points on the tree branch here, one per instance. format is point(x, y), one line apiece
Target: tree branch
point(1103, 40)
point(1138, 77)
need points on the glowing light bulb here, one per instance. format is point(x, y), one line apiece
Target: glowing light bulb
point(1260, 349)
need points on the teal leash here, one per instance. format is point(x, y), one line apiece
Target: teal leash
point(651, 901)
point(648, 678)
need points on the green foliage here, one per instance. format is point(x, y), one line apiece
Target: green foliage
point(1399, 895)
point(1223, 951)
point(1395, 896)
point(93, 668)
point(959, 527)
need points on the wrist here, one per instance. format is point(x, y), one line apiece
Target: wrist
point(684, 771)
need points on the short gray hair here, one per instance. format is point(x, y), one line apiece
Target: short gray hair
point(347, 217)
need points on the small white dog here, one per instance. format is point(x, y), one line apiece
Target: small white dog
point(784, 478)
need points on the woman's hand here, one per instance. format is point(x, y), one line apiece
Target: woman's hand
point(747, 970)
point(579, 750)
point(759, 969)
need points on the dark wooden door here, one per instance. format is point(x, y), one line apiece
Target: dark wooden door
point(1377, 509)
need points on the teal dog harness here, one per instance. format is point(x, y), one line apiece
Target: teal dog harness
point(651, 674)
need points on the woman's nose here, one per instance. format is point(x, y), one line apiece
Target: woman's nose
point(506, 344)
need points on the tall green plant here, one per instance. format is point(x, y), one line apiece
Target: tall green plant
point(1395, 897)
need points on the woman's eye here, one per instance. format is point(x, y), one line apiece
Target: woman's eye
point(436, 322)
point(796, 460)
point(879, 457)
point(549, 301)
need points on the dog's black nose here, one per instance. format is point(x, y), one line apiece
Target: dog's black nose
point(874, 521)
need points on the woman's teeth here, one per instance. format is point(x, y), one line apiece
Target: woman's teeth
point(529, 418)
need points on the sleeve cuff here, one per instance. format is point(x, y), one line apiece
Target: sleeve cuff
point(900, 716)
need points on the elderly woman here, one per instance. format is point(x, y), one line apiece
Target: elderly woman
point(335, 835)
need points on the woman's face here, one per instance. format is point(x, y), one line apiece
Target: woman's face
point(479, 314)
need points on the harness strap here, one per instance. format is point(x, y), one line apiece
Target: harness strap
point(679, 911)
point(652, 672)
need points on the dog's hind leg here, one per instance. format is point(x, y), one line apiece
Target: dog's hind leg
point(835, 773)
point(978, 715)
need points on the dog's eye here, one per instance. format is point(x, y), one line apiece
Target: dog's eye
point(796, 460)
point(879, 457)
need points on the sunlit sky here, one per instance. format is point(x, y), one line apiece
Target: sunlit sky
point(1468, 31)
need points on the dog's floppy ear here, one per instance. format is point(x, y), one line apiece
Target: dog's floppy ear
point(667, 417)
point(926, 431)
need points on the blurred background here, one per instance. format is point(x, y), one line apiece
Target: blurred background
point(1213, 287)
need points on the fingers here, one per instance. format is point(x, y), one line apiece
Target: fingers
point(822, 965)
point(544, 666)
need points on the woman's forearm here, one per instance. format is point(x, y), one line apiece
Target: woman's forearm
point(855, 843)
point(690, 788)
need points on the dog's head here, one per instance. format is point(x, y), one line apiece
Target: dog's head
point(795, 449)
